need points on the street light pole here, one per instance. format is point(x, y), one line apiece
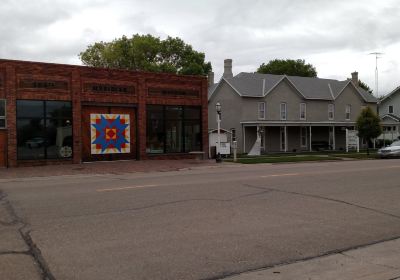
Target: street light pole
point(218, 149)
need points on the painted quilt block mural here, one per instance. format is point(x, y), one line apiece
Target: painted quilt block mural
point(110, 134)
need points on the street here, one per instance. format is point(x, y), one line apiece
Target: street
point(205, 223)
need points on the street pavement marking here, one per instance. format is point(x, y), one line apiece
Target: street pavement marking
point(279, 175)
point(126, 188)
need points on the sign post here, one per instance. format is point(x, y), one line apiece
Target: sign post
point(352, 140)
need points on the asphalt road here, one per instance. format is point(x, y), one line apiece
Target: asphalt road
point(207, 223)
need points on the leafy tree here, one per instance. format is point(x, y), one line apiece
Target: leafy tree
point(288, 67)
point(368, 125)
point(364, 86)
point(147, 53)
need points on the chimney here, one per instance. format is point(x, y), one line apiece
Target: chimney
point(354, 78)
point(227, 69)
point(210, 78)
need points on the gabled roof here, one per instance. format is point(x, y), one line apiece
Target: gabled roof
point(391, 116)
point(390, 94)
point(259, 85)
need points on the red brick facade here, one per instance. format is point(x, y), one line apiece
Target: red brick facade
point(73, 84)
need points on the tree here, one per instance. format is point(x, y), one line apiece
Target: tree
point(147, 53)
point(368, 125)
point(288, 67)
point(364, 86)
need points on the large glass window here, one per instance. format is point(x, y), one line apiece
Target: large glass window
point(2, 113)
point(44, 129)
point(173, 129)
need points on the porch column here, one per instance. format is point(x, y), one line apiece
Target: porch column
point(334, 138)
point(286, 140)
point(310, 139)
point(244, 139)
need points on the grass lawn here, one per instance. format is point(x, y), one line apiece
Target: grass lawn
point(281, 158)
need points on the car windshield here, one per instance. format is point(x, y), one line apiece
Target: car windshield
point(395, 143)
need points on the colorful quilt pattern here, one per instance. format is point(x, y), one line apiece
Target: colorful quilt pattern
point(110, 134)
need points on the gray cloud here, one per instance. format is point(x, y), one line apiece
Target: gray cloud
point(334, 35)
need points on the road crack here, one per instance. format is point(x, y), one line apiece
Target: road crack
point(328, 199)
point(24, 231)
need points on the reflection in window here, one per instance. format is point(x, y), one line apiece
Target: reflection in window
point(44, 129)
point(2, 113)
point(173, 129)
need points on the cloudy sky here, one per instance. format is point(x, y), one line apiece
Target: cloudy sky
point(336, 36)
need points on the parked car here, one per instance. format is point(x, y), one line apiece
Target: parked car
point(391, 151)
point(36, 142)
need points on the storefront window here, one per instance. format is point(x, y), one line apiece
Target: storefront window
point(2, 113)
point(44, 129)
point(173, 129)
point(155, 129)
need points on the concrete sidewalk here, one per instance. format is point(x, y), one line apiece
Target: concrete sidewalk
point(376, 262)
point(106, 167)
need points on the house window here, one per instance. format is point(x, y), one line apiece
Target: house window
point(44, 129)
point(348, 111)
point(2, 113)
point(233, 134)
point(331, 112)
point(302, 111)
point(394, 128)
point(303, 136)
point(173, 129)
point(261, 110)
point(283, 111)
point(391, 109)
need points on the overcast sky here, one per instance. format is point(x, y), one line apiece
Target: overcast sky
point(336, 36)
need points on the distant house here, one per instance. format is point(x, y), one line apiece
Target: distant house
point(389, 112)
point(286, 113)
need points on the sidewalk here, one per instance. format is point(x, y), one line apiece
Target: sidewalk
point(106, 167)
point(376, 262)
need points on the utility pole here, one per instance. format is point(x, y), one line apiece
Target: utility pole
point(376, 71)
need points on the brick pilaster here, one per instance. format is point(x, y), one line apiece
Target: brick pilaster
point(11, 97)
point(141, 122)
point(76, 115)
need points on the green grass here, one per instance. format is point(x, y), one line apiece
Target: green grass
point(299, 157)
point(285, 159)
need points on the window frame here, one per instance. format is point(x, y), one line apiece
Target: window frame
point(390, 109)
point(283, 117)
point(5, 114)
point(303, 105)
point(348, 112)
point(46, 127)
point(261, 109)
point(165, 120)
point(331, 110)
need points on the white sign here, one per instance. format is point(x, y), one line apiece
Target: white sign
point(352, 140)
point(225, 148)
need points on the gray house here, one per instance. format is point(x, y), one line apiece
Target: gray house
point(288, 113)
point(389, 112)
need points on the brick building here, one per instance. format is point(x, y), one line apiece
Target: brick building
point(53, 113)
